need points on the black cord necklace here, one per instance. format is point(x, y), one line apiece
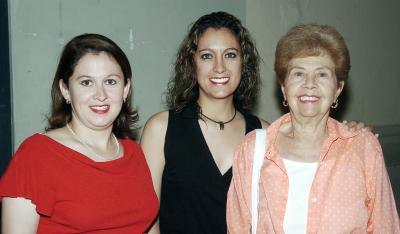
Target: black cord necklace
point(221, 124)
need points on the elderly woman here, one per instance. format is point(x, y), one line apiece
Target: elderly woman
point(316, 177)
point(86, 174)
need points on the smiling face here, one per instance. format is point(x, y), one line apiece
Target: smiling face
point(96, 90)
point(311, 86)
point(218, 64)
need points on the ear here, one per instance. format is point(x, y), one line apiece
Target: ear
point(283, 92)
point(64, 89)
point(339, 89)
point(127, 88)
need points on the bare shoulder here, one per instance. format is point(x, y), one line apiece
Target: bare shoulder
point(155, 130)
point(156, 123)
point(60, 135)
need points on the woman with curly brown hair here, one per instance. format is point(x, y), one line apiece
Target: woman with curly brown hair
point(189, 148)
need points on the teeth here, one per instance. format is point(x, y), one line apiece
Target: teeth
point(219, 79)
point(308, 98)
point(100, 107)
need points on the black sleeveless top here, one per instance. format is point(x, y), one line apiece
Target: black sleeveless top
point(193, 191)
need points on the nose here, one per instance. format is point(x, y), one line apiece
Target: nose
point(219, 65)
point(310, 82)
point(100, 94)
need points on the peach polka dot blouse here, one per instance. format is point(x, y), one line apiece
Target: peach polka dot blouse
point(350, 193)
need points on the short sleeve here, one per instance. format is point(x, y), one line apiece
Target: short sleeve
point(29, 176)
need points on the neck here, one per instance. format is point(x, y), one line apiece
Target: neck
point(98, 139)
point(220, 110)
point(313, 130)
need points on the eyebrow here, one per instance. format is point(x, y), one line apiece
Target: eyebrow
point(230, 48)
point(302, 68)
point(87, 76)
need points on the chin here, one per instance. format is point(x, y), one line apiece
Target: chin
point(99, 124)
point(311, 114)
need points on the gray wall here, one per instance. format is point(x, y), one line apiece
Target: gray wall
point(149, 31)
point(372, 31)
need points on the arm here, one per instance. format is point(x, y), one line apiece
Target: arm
point(18, 216)
point(238, 213)
point(152, 143)
point(383, 217)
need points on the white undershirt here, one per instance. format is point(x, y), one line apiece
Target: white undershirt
point(301, 176)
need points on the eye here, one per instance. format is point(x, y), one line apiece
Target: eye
point(110, 82)
point(86, 82)
point(206, 56)
point(230, 55)
point(298, 74)
point(323, 74)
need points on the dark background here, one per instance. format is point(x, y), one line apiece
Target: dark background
point(5, 87)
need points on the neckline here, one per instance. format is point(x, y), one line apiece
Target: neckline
point(72, 153)
point(209, 153)
point(298, 163)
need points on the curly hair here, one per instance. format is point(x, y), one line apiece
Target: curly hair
point(183, 89)
point(312, 40)
point(125, 124)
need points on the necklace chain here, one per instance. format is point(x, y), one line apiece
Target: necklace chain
point(221, 124)
point(90, 148)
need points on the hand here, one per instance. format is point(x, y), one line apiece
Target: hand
point(353, 126)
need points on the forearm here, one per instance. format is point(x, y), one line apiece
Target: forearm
point(19, 216)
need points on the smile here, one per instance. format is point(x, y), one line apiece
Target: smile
point(308, 99)
point(219, 80)
point(100, 109)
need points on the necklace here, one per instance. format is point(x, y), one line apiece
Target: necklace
point(221, 124)
point(90, 148)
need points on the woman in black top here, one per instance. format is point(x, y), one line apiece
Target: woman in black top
point(189, 149)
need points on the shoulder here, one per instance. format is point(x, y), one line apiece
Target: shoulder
point(132, 149)
point(157, 121)
point(130, 143)
point(245, 149)
point(363, 146)
point(34, 151)
point(367, 141)
point(155, 128)
point(32, 144)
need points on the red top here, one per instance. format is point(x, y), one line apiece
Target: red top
point(75, 194)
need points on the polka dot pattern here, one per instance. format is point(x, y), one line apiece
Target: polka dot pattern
point(351, 191)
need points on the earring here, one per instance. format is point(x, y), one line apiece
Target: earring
point(124, 100)
point(335, 104)
point(68, 101)
point(285, 103)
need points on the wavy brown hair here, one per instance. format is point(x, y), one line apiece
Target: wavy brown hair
point(312, 40)
point(124, 125)
point(183, 89)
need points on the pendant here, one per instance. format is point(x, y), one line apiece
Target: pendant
point(221, 126)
